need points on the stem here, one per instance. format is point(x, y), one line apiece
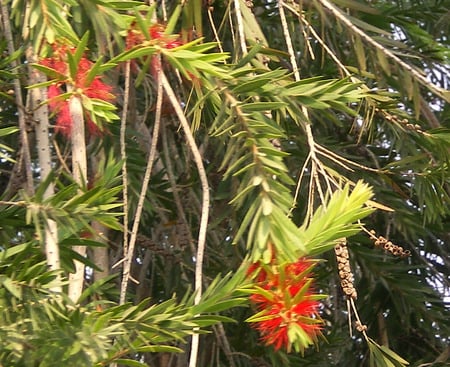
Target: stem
point(205, 206)
point(355, 311)
point(316, 164)
point(123, 155)
point(128, 257)
point(79, 172)
point(317, 37)
point(287, 37)
point(240, 24)
point(173, 185)
point(40, 116)
point(214, 30)
point(25, 146)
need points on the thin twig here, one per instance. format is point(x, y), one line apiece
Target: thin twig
point(317, 37)
point(213, 27)
point(123, 155)
point(355, 311)
point(349, 313)
point(290, 48)
point(339, 160)
point(223, 341)
point(137, 217)
point(315, 162)
point(370, 40)
point(173, 185)
point(299, 181)
point(205, 205)
point(240, 24)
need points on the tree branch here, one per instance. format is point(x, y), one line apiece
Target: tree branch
point(40, 115)
point(128, 256)
point(79, 173)
point(29, 188)
point(205, 206)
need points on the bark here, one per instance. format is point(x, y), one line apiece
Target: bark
point(24, 165)
point(204, 217)
point(79, 172)
point(100, 254)
point(40, 115)
point(129, 250)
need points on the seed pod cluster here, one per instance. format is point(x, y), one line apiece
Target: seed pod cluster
point(401, 121)
point(360, 327)
point(388, 246)
point(345, 272)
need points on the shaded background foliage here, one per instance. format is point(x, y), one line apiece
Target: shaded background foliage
point(391, 124)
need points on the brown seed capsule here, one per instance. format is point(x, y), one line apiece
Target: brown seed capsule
point(360, 327)
point(388, 246)
point(344, 269)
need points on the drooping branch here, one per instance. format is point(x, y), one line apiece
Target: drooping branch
point(128, 256)
point(315, 162)
point(205, 205)
point(371, 41)
point(123, 155)
point(171, 177)
point(322, 43)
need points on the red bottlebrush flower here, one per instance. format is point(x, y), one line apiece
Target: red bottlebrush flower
point(81, 85)
point(63, 119)
point(157, 37)
point(173, 43)
point(288, 311)
point(57, 60)
point(280, 320)
point(134, 37)
point(92, 127)
point(156, 31)
point(53, 94)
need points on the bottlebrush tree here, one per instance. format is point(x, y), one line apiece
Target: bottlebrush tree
point(223, 183)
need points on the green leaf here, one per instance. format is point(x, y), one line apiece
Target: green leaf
point(250, 86)
point(261, 106)
point(383, 62)
point(12, 287)
point(394, 356)
point(130, 362)
point(381, 356)
point(134, 53)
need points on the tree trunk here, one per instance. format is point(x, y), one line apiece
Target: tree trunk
point(100, 254)
point(40, 116)
point(79, 172)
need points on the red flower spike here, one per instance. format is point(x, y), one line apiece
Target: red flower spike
point(288, 313)
point(92, 127)
point(93, 89)
point(64, 120)
point(134, 37)
point(156, 31)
